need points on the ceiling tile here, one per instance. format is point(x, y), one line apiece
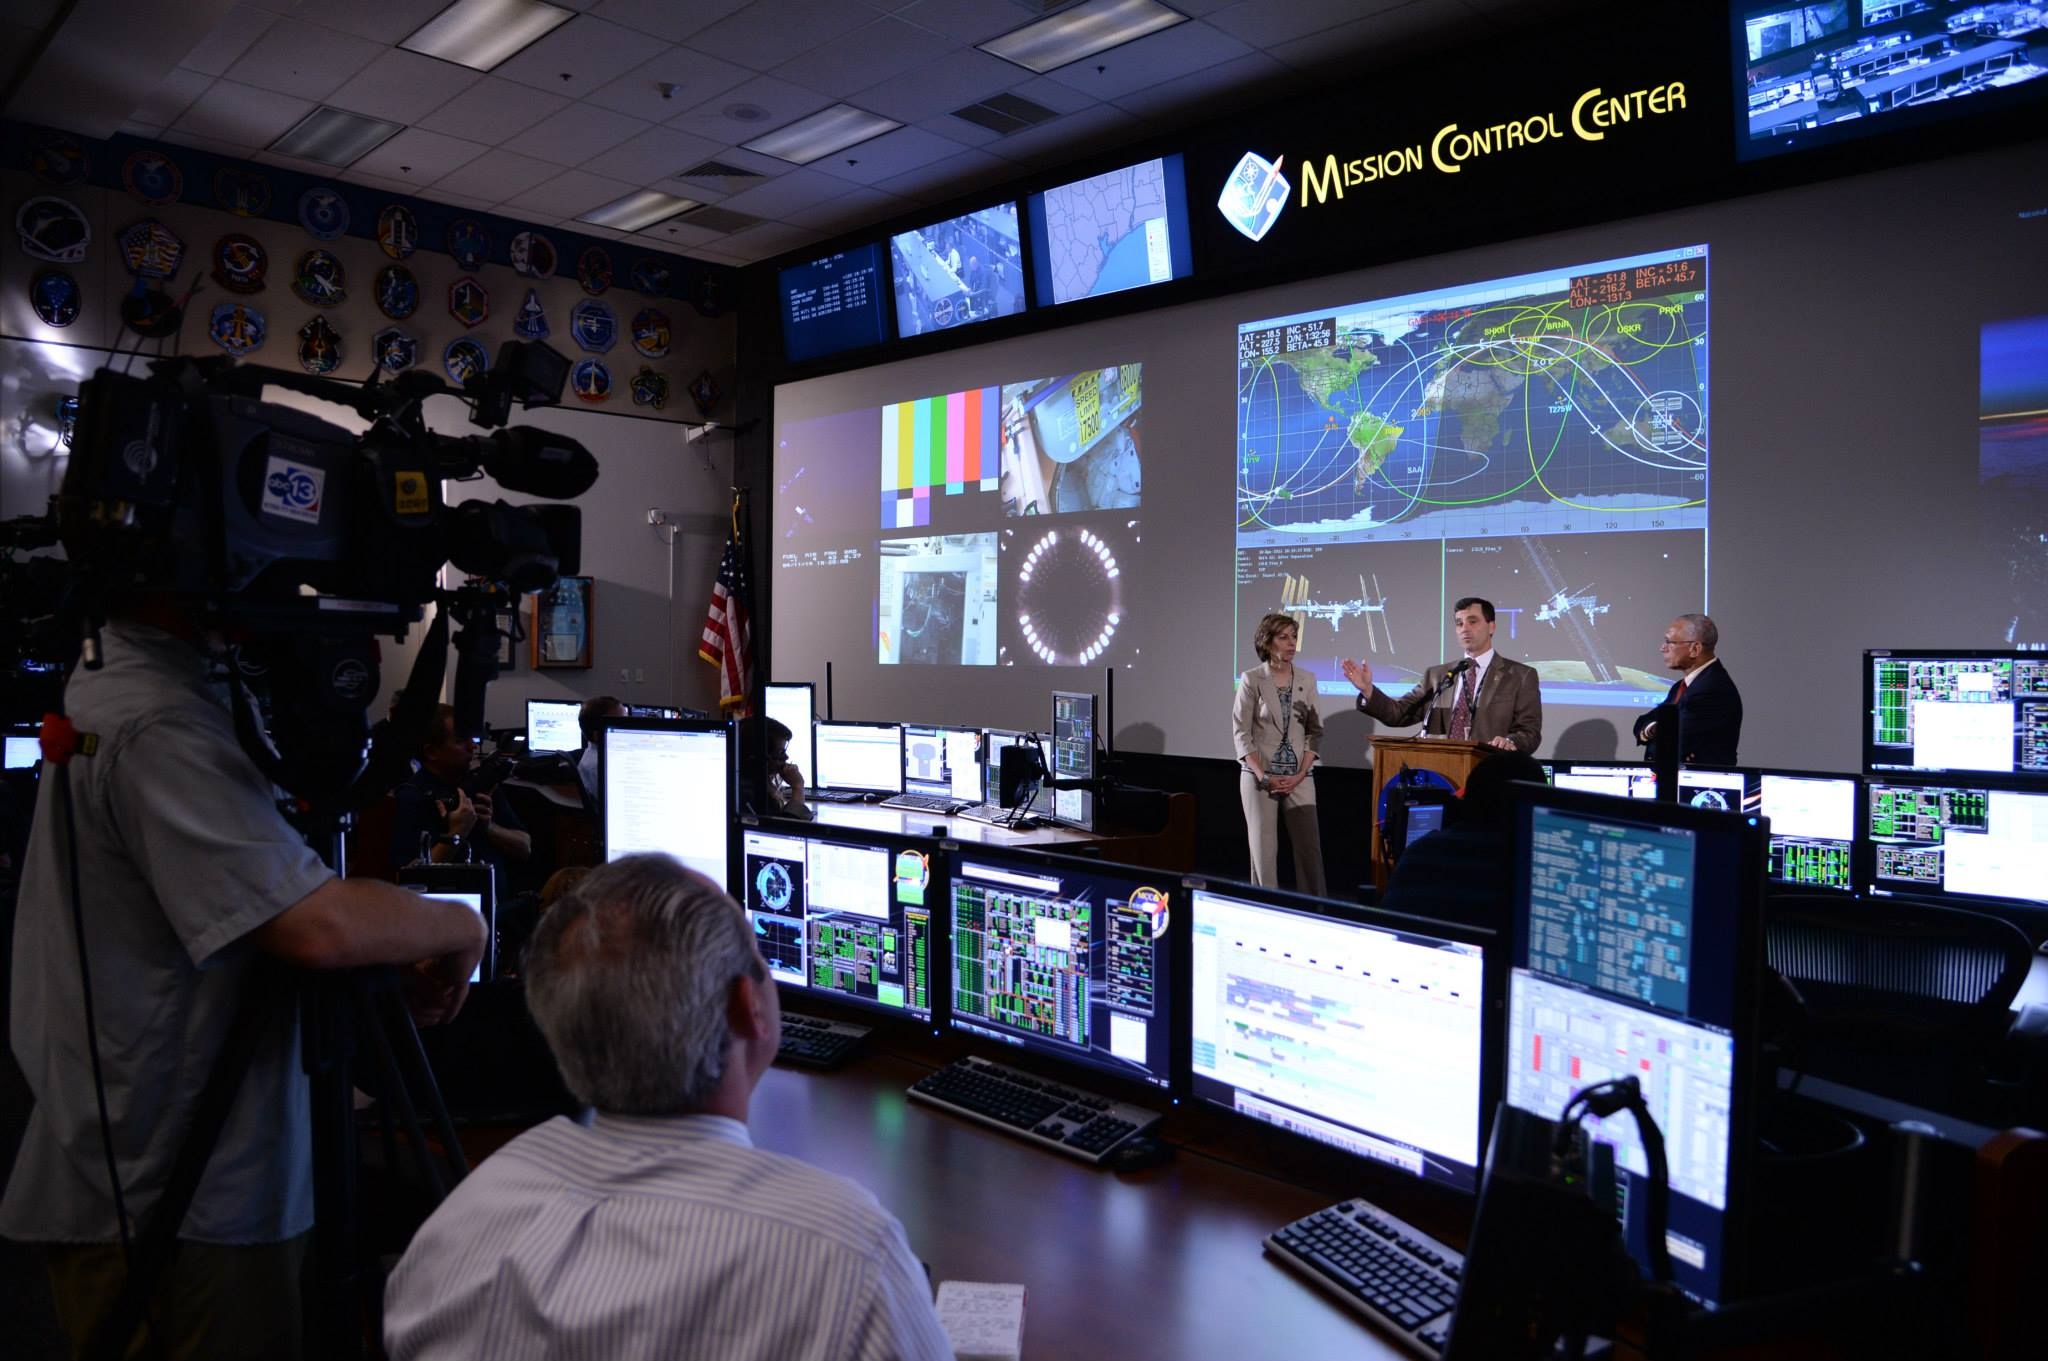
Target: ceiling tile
point(1379, 35)
point(381, 21)
point(304, 167)
point(741, 158)
point(172, 96)
point(242, 114)
point(440, 195)
point(496, 176)
point(218, 146)
point(696, 76)
point(966, 169)
point(1097, 129)
point(494, 110)
point(1053, 95)
point(718, 257)
point(576, 134)
point(870, 53)
point(768, 238)
point(301, 59)
point(961, 77)
point(781, 102)
point(1195, 9)
point(591, 52)
point(136, 128)
point(973, 21)
point(590, 229)
point(769, 32)
point(1263, 23)
point(1230, 85)
point(848, 211)
point(656, 154)
point(676, 234)
point(889, 155)
point(798, 189)
point(230, 38)
point(666, 18)
point(568, 193)
point(1167, 55)
point(403, 86)
point(417, 156)
point(959, 130)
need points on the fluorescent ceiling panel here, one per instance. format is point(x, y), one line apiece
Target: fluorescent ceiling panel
point(335, 136)
point(637, 211)
point(480, 34)
point(824, 132)
point(1086, 29)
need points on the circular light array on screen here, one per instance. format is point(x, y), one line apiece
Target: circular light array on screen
point(1069, 598)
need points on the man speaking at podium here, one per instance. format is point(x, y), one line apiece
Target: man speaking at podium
point(1482, 697)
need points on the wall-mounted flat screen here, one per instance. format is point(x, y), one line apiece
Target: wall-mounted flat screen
point(1118, 230)
point(1808, 75)
point(833, 304)
point(965, 269)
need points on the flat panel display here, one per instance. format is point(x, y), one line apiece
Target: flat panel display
point(832, 304)
point(1119, 230)
point(843, 916)
point(1983, 713)
point(863, 756)
point(954, 273)
point(1957, 840)
point(791, 704)
point(668, 789)
point(552, 726)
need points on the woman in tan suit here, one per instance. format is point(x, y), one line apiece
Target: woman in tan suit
point(1278, 732)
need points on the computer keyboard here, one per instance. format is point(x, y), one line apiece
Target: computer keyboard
point(924, 803)
point(836, 795)
point(1077, 1123)
point(1397, 1277)
point(986, 812)
point(814, 1042)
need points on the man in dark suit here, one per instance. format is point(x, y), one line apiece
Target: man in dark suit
point(1483, 697)
point(1704, 702)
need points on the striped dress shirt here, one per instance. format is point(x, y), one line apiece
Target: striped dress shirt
point(658, 1238)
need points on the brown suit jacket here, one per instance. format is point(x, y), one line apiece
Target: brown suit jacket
point(1510, 704)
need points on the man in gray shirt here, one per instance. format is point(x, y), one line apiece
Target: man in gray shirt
point(188, 878)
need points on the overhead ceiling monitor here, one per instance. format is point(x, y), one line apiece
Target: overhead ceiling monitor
point(966, 269)
point(1119, 230)
point(668, 789)
point(1979, 713)
point(834, 304)
point(1808, 75)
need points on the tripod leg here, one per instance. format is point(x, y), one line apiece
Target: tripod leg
point(396, 1091)
point(332, 1302)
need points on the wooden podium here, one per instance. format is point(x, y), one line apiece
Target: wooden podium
point(1452, 760)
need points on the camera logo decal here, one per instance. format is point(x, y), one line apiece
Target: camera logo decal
point(291, 491)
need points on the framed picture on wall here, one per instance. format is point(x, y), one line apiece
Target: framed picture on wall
point(562, 625)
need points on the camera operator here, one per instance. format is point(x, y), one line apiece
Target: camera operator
point(435, 818)
point(188, 883)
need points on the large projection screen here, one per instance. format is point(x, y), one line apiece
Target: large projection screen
point(1533, 422)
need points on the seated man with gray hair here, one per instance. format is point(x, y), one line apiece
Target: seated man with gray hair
point(654, 1228)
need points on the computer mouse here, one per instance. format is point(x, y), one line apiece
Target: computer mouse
point(1138, 1153)
point(873, 798)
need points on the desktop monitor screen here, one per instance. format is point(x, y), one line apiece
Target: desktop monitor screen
point(668, 788)
point(1064, 958)
point(1073, 755)
point(24, 750)
point(1951, 840)
point(833, 304)
point(1620, 779)
point(1723, 790)
point(966, 269)
point(843, 915)
point(1638, 939)
point(790, 703)
point(1979, 713)
point(551, 725)
point(999, 741)
point(943, 761)
point(1808, 75)
point(863, 756)
point(1118, 230)
point(1364, 1036)
point(1813, 821)
point(652, 711)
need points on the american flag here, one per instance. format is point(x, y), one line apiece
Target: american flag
point(728, 642)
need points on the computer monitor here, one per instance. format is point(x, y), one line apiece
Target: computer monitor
point(652, 711)
point(552, 725)
point(1976, 713)
point(997, 741)
point(966, 269)
point(1364, 1034)
point(1064, 959)
point(1723, 789)
point(1971, 842)
point(837, 302)
point(1813, 821)
point(1620, 779)
point(1423, 818)
point(794, 706)
point(843, 914)
point(944, 761)
point(24, 748)
point(1637, 946)
point(667, 787)
point(862, 756)
point(1073, 755)
point(1122, 229)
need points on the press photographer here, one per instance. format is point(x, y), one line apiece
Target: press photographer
point(218, 545)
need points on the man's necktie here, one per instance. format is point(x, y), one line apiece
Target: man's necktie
point(1461, 712)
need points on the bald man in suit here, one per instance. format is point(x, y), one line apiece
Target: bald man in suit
point(1493, 699)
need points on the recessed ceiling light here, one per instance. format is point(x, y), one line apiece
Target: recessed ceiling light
point(480, 34)
point(824, 132)
point(335, 137)
point(1088, 28)
point(636, 211)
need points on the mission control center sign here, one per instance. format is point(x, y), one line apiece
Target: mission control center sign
point(1258, 190)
